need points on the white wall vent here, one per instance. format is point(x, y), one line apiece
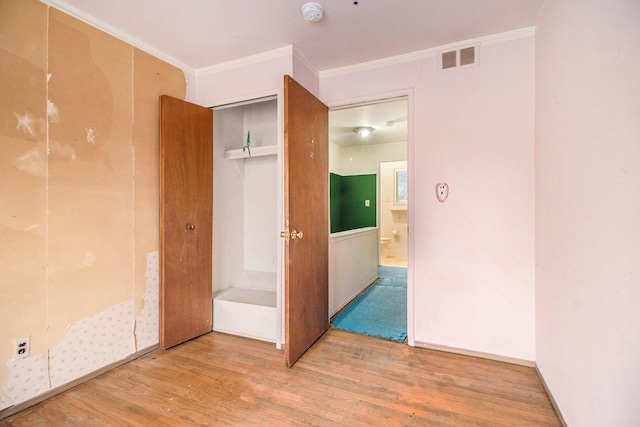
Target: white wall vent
point(458, 57)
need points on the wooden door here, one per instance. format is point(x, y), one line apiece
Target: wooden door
point(186, 197)
point(306, 163)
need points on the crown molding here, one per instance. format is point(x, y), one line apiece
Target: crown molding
point(284, 51)
point(288, 51)
point(88, 19)
point(426, 53)
point(247, 60)
point(306, 61)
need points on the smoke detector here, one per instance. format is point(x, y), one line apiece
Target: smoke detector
point(312, 12)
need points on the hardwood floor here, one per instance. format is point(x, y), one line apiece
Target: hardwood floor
point(344, 379)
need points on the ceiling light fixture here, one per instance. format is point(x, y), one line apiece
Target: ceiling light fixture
point(312, 12)
point(363, 131)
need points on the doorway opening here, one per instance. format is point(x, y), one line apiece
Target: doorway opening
point(368, 249)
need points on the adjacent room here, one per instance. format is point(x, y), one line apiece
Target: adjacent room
point(369, 208)
point(514, 205)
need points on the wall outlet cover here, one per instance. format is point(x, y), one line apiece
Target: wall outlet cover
point(21, 348)
point(442, 191)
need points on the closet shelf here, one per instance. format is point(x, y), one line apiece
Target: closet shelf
point(267, 150)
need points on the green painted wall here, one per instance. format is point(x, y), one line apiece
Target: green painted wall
point(347, 206)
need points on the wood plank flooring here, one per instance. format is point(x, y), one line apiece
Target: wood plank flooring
point(345, 379)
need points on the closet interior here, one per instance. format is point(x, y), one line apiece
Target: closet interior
point(245, 219)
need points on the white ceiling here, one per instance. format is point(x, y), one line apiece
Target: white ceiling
point(195, 34)
point(202, 33)
point(388, 119)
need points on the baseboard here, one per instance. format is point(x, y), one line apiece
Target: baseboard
point(556, 408)
point(506, 359)
point(353, 297)
point(12, 410)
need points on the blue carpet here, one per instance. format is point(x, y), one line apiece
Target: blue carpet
point(381, 310)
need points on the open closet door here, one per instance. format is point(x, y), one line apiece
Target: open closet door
point(186, 197)
point(306, 181)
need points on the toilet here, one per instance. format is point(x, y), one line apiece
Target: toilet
point(384, 246)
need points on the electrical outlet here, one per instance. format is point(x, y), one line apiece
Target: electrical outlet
point(21, 348)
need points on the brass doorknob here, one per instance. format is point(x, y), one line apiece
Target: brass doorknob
point(294, 234)
point(191, 227)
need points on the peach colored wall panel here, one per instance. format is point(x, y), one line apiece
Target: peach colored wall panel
point(90, 172)
point(152, 78)
point(79, 192)
point(23, 115)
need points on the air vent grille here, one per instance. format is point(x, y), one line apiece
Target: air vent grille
point(458, 58)
point(449, 59)
point(467, 55)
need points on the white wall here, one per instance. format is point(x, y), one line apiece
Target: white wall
point(353, 265)
point(335, 158)
point(245, 194)
point(588, 209)
point(393, 217)
point(364, 159)
point(250, 78)
point(243, 80)
point(228, 203)
point(305, 73)
point(261, 234)
point(253, 77)
point(354, 255)
point(473, 267)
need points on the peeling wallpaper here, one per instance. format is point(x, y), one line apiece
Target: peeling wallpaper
point(22, 194)
point(79, 192)
point(29, 378)
point(147, 322)
point(93, 343)
point(151, 78)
